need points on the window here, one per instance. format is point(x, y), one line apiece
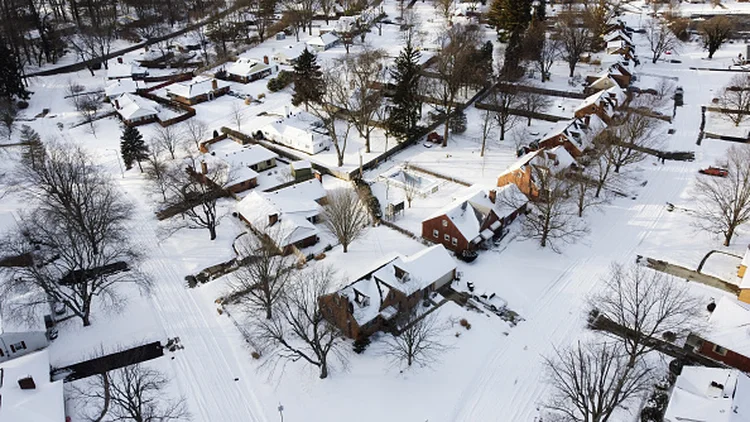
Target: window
point(720, 350)
point(18, 346)
point(454, 241)
point(445, 223)
point(446, 237)
point(435, 234)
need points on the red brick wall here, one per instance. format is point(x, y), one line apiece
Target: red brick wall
point(731, 358)
point(437, 224)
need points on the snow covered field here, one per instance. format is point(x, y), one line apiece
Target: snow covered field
point(491, 372)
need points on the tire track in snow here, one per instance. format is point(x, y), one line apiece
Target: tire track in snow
point(549, 325)
point(208, 364)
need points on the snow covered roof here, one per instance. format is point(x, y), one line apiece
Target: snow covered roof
point(292, 214)
point(414, 273)
point(44, 403)
point(196, 87)
point(523, 161)
point(511, 195)
point(121, 86)
point(746, 258)
point(309, 190)
point(729, 326)
point(469, 212)
point(323, 40)
point(131, 106)
point(238, 159)
point(704, 394)
point(366, 297)
point(555, 159)
point(124, 70)
point(301, 164)
point(290, 52)
point(615, 45)
point(247, 67)
point(618, 34)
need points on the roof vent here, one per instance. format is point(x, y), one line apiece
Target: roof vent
point(27, 383)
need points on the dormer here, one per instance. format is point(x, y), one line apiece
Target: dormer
point(361, 299)
point(401, 274)
point(273, 219)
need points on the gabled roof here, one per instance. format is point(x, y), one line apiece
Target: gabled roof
point(131, 106)
point(196, 87)
point(124, 70)
point(323, 40)
point(729, 326)
point(704, 394)
point(247, 67)
point(618, 34)
point(423, 269)
point(555, 159)
point(45, 403)
point(238, 159)
point(122, 86)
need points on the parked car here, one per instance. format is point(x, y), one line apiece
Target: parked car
point(714, 171)
point(435, 138)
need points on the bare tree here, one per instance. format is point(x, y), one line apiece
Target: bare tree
point(575, 39)
point(168, 139)
point(410, 186)
point(532, 103)
point(195, 131)
point(298, 329)
point(584, 190)
point(735, 100)
point(547, 53)
point(8, 116)
point(455, 68)
point(419, 341)
point(195, 193)
point(715, 32)
point(345, 216)
point(237, 114)
point(723, 204)
point(489, 123)
point(362, 70)
point(158, 172)
point(338, 92)
point(445, 7)
point(629, 140)
point(552, 218)
point(600, 168)
point(506, 102)
point(133, 393)
point(591, 381)
point(262, 279)
point(660, 38)
point(647, 304)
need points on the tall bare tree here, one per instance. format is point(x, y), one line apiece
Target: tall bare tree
point(298, 330)
point(455, 68)
point(419, 341)
point(338, 92)
point(168, 139)
point(237, 114)
point(532, 103)
point(261, 280)
point(575, 39)
point(660, 38)
point(345, 216)
point(195, 131)
point(591, 381)
point(723, 204)
point(489, 124)
point(647, 304)
point(506, 101)
point(628, 140)
point(362, 71)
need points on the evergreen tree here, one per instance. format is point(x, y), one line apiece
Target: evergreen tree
point(540, 11)
point(34, 153)
point(510, 15)
point(133, 147)
point(407, 105)
point(10, 75)
point(308, 80)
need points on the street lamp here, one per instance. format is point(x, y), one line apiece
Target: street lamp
point(117, 157)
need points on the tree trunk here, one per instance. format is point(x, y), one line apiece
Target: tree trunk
point(86, 319)
point(269, 310)
point(212, 231)
point(346, 246)
point(572, 67)
point(140, 166)
point(728, 236)
point(323, 370)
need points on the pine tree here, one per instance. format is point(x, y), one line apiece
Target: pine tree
point(540, 11)
point(308, 80)
point(407, 106)
point(510, 15)
point(133, 147)
point(34, 153)
point(11, 83)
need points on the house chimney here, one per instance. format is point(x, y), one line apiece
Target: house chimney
point(287, 113)
point(117, 104)
point(493, 195)
point(214, 84)
point(119, 60)
point(204, 167)
point(27, 383)
point(265, 59)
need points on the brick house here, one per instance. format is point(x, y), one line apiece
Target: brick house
point(575, 135)
point(246, 70)
point(198, 91)
point(521, 173)
point(726, 339)
point(478, 217)
point(603, 104)
point(377, 300)
point(242, 163)
point(134, 110)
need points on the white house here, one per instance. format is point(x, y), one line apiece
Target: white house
point(289, 55)
point(301, 131)
point(118, 87)
point(704, 394)
point(323, 42)
point(27, 392)
point(126, 70)
point(134, 110)
point(16, 344)
point(243, 163)
point(247, 70)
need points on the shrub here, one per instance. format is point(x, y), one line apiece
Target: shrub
point(280, 82)
point(191, 281)
point(255, 355)
point(463, 322)
point(22, 105)
point(457, 122)
point(360, 344)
